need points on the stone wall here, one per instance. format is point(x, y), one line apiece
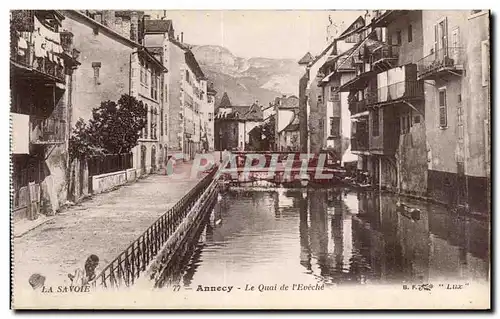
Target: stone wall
point(97, 45)
point(104, 182)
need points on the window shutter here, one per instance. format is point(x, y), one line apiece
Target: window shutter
point(442, 116)
point(442, 108)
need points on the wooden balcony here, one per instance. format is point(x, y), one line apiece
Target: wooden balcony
point(360, 142)
point(396, 93)
point(36, 56)
point(387, 17)
point(47, 131)
point(441, 63)
point(385, 139)
point(384, 57)
point(356, 107)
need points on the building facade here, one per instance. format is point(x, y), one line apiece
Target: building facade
point(319, 92)
point(115, 63)
point(455, 71)
point(420, 104)
point(233, 124)
point(287, 133)
point(147, 77)
point(185, 89)
point(42, 61)
point(209, 119)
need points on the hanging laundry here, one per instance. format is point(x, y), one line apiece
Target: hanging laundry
point(22, 46)
point(40, 44)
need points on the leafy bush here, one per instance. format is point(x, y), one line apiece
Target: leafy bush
point(113, 129)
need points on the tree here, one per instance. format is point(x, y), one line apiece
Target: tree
point(113, 129)
point(268, 132)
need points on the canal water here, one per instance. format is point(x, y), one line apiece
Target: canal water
point(334, 237)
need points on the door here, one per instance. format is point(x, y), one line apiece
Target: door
point(153, 158)
point(443, 38)
point(143, 159)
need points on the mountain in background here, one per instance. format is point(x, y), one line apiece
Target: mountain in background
point(247, 80)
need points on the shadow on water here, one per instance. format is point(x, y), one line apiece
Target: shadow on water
point(334, 237)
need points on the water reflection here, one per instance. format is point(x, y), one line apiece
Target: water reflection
point(335, 237)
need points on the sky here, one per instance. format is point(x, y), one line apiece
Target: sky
point(271, 34)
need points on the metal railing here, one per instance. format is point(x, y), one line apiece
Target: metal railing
point(129, 264)
point(109, 163)
point(448, 57)
point(385, 52)
point(403, 89)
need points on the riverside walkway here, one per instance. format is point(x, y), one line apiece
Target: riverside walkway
point(104, 225)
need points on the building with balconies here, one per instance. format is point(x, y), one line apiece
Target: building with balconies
point(321, 122)
point(386, 100)
point(209, 114)
point(42, 61)
point(456, 73)
point(339, 70)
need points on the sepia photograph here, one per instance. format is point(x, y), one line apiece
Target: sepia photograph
point(250, 159)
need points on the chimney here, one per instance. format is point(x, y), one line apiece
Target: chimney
point(134, 26)
point(182, 37)
point(108, 18)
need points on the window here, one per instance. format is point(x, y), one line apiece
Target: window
point(460, 123)
point(485, 62)
point(161, 122)
point(441, 37)
point(143, 72)
point(334, 94)
point(443, 121)
point(398, 37)
point(96, 66)
point(353, 38)
point(154, 85)
point(148, 75)
point(147, 122)
point(335, 126)
point(320, 98)
point(187, 77)
point(166, 124)
point(375, 122)
point(410, 33)
point(406, 123)
point(155, 121)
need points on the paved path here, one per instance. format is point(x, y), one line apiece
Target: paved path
point(104, 225)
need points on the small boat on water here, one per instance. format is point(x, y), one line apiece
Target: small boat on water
point(408, 211)
point(352, 183)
